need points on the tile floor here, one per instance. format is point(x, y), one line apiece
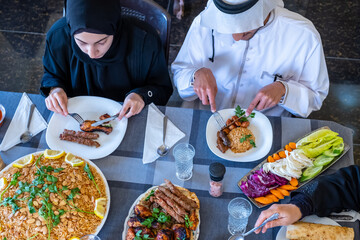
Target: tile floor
point(23, 26)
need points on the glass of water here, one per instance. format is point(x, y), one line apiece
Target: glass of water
point(239, 211)
point(90, 237)
point(184, 154)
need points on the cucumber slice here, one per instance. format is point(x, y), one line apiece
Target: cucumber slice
point(303, 179)
point(338, 149)
point(312, 171)
point(323, 160)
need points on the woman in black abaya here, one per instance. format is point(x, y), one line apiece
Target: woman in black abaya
point(93, 51)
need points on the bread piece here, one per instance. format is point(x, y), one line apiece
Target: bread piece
point(312, 231)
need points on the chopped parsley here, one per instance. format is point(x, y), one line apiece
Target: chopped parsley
point(240, 113)
point(91, 176)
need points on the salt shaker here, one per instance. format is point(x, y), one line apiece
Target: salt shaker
point(217, 172)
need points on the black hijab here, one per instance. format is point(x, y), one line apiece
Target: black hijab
point(97, 16)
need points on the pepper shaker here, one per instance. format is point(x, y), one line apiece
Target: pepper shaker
point(217, 172)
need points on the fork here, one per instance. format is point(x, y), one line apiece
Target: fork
point(219, 120)
point(77, 117)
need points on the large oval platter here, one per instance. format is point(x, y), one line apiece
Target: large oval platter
point(301, 184)
point(79, 216)
point(196, 233)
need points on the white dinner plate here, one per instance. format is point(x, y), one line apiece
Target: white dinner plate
point(89, 108)
point(310, 219)
point(260, 126)
point(107, 189)
point(131, 214)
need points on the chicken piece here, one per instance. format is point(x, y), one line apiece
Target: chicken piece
point(144, 231)
point(142, 211)
point(245, 124)
point(86, 127)
point(134, 222)
point(104, 116)
point(165, 234)
point(130, 234)
point(194, 219)
point(181, 232)
point(156, 225)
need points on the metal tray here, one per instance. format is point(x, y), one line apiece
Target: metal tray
point(244, 178)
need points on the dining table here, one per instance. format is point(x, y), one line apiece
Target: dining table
point(128, 177)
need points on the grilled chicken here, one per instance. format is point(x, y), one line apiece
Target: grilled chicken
point(142, 211)
point(135, 222)
point(194, 219)
point(130, 234)
point(180, 232)
point(165, 234)
point(145, 231)
point(86, 127)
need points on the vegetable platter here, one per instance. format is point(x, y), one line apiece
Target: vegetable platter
point(293, 166)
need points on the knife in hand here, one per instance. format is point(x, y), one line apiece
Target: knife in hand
point(98, 123)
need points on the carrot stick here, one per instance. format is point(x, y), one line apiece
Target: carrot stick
point(270, 159)
point(282, 154)
point(273, 197)
point(294, 182)
point(283, 191)
point(288, 187)
point(276, 156)
point(277, 193)
point(263, 200)
point(288, 148)
point(292, 145)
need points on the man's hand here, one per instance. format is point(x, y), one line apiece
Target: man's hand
point(267, 97)
point(57, 101)
point(133, 104)
point(205, 87)
point(288, 214)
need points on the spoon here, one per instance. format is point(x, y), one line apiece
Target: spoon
point(163, 149)
point(241, 236)
point(27, 135)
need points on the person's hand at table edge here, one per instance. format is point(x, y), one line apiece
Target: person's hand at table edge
point(133, 105)
point(205, 87)
point(288, 214)
point(57, 101)
point(267, 97)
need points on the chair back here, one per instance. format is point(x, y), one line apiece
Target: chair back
point(150, 12)
point(153, 14)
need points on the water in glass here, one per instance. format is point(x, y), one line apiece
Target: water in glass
point(239, 211)
point(184, 154)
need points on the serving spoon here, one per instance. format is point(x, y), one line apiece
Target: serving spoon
point(163, 149)
point(241, 236)
point(27, 135)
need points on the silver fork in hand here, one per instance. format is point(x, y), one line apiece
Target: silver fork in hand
point(219, 120)
point(77, 117)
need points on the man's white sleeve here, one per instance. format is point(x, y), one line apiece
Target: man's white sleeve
point(308, 93)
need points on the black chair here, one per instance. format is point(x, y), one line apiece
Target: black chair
point(150, 12)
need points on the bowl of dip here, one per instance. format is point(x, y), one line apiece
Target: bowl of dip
point(2, 114)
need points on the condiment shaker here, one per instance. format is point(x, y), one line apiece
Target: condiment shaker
point(217, 172)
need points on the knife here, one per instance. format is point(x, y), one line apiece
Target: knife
point(98, 123)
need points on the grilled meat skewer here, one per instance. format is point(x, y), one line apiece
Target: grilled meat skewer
point(84, 141)
point(87, 135)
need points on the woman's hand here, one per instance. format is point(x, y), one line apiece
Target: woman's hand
point(57, 101)
point(133, 105)
point(205, 87)
point(267, 97)
point(288, 214)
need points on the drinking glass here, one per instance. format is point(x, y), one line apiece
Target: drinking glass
point(184, 154)
point(239, 211)
point(90, 237)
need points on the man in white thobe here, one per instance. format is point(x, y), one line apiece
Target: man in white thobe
point(255, 54)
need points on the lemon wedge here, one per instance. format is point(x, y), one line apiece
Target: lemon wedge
point(73, 160)
point(100, 205)
point(3, 184)
point(24, 161)
point(53, 154)
point(74, 238)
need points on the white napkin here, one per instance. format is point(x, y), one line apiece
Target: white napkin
point(19, 121)
point(154, 134)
